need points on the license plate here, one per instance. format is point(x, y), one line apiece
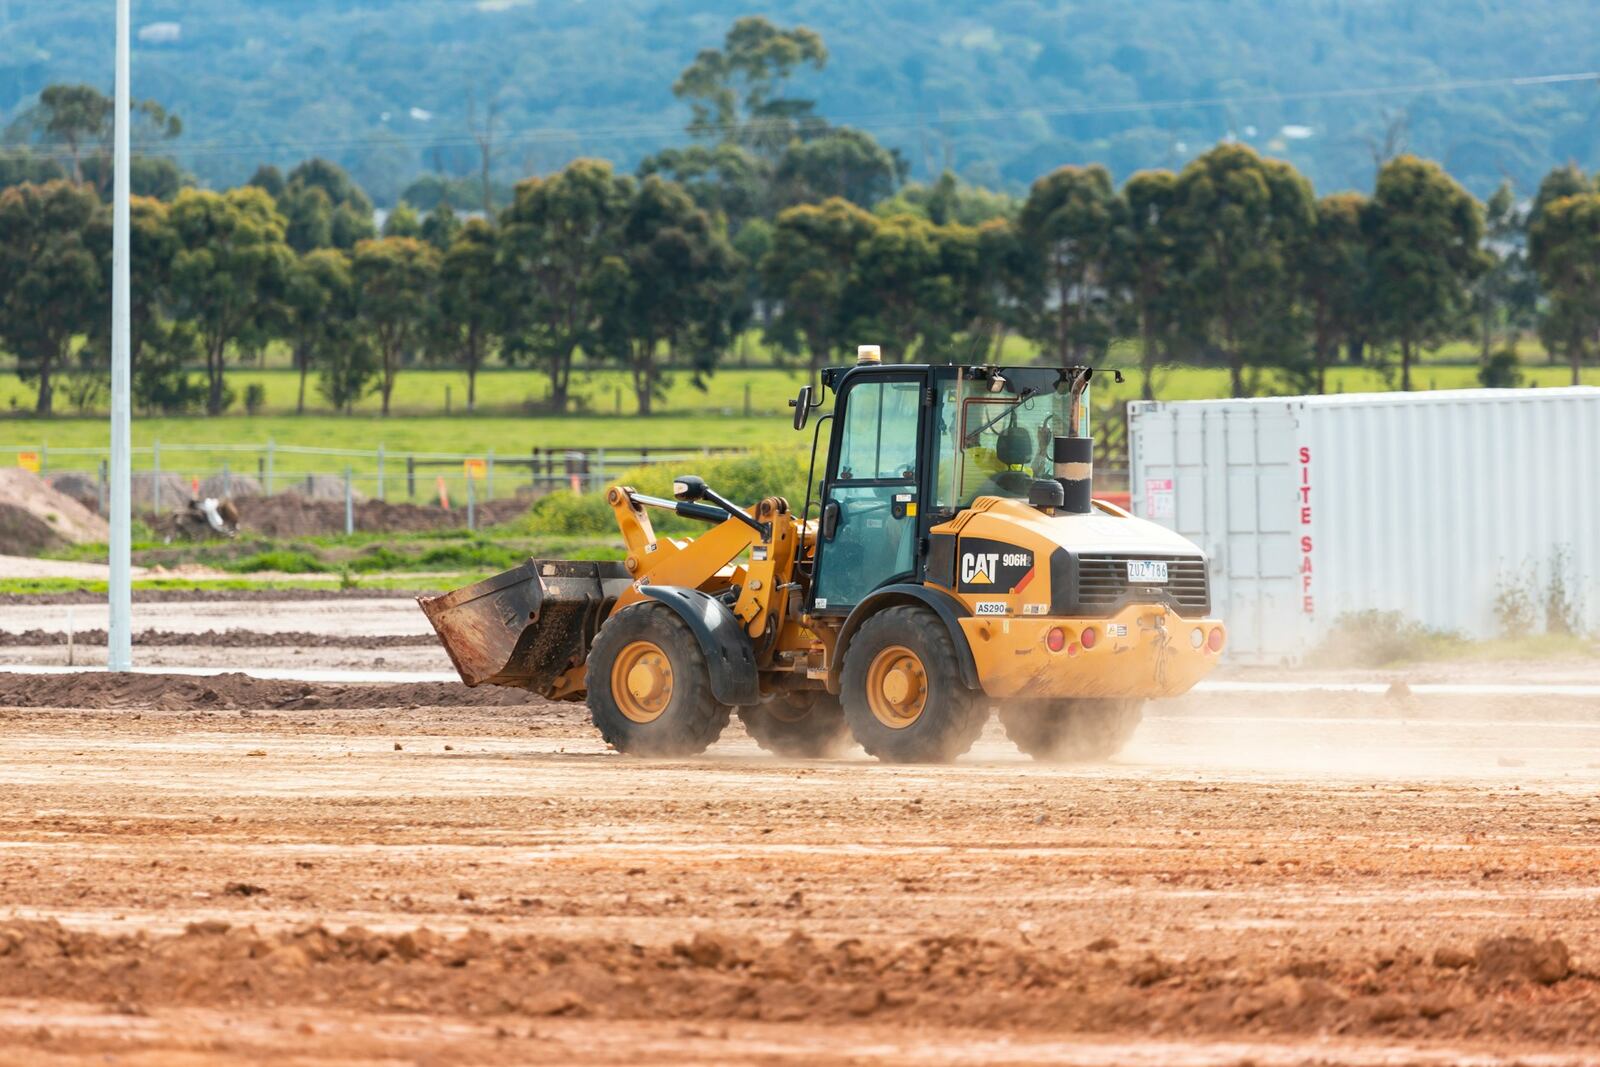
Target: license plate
point(1146, 571)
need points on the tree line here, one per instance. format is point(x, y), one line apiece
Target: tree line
point(774, 219)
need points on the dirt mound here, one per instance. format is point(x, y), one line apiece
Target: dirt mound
point(176, 692)
point(26, 534)
point(234, 485)
point(66, 518)
point(79, 486)
point(954, 981)
point(319, 487)
point(172, 489)
point(293, 515)
point(222, 639)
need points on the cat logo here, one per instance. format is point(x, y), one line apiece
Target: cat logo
point(977, 567)
point(987, 566)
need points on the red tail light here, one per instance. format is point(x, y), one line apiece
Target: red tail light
point(1214, 641)
point(1056, 639)
point(1088, 638)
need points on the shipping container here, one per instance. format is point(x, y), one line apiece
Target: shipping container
point(1428, 504)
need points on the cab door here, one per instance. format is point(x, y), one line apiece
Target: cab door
point(869, 527)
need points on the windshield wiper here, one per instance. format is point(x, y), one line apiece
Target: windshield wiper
point(1023, 397)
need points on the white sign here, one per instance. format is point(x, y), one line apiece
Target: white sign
point(1158, 498)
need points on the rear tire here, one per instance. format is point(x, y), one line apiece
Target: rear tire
point(804, 724)
point(1075, 730)
point(649, 688)
point(902, 691)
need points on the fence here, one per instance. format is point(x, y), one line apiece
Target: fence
point(166, 475)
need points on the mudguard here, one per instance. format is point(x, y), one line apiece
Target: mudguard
point(949, 609)
point(729, 655)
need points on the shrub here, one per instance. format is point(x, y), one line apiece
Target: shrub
point(1514, 609)
point(1379, 638)
point(1521, 603)
point(570, 513)
point(743, 479)
point(1501, 371)
point(1563, 613)
point(255, 398)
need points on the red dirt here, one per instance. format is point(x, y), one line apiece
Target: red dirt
point(221, 639)
point(227, 692)
point(228, 870)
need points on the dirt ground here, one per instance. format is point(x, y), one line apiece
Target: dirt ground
point(227, 870)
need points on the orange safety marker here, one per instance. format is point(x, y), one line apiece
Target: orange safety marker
point(444, 494)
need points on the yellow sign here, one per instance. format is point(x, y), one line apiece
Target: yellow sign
point(475, 468)
point(28, 461)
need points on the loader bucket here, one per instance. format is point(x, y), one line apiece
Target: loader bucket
point(523, 628)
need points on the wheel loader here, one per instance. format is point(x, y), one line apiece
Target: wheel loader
point(956, 563)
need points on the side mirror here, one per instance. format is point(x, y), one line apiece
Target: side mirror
point(802, 406)
point(688, 487)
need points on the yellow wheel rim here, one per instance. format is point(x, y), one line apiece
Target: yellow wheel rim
point(897, 687)
point(641, 681)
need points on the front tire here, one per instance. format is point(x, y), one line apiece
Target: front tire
point(902, 692)
point(805, 724)
point(1077, 730)
point(649, 687)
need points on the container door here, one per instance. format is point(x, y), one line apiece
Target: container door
point(1222, 475)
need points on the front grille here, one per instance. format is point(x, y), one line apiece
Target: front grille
point(1103, 584)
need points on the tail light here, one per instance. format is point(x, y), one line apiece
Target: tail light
point(1056, 639)
point(1088, 638)
point(1214, 641)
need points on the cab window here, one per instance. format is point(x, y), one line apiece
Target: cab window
point(879, 441)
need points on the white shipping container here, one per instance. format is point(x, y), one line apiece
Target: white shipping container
point(1428, 504)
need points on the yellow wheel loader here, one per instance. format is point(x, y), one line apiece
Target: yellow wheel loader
point(957, 563)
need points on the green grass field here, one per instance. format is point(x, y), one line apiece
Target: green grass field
point(758, 389)
point(687, 417)
point(738, 407)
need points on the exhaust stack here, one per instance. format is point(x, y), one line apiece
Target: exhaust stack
point(1074, 462)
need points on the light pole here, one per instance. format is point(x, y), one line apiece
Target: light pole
point(119, 635)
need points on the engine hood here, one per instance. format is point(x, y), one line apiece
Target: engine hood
point(1097, 533)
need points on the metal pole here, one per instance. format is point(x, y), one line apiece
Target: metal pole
point(380, 472)
point(488, 476)
point(349, 504)
point(267, 488)
point(119, 635)
point(472, 503)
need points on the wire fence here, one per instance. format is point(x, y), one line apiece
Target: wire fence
point(166, 476)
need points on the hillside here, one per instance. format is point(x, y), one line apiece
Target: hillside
point(997, 90)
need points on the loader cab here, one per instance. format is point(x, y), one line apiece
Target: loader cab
point(911, 446)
